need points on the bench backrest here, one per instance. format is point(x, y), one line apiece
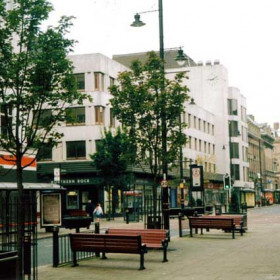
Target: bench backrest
point(155, 236)
point(218, 223)
point(237, 218)
point(90, 242)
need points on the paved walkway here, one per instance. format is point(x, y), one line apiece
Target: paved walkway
point(212, 256)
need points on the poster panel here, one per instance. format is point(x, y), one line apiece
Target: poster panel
point(51, 209)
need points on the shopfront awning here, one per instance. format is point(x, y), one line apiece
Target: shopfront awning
point(248, 190)
point(29, 186)
point(267, 190)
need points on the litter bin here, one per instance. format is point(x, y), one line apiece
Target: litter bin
point(218, 209)
point(8, 261)
point(151, 224)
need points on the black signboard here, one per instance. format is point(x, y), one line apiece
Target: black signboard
point(196, 176)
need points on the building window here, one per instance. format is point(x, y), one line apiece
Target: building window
point(232, 107)
point(204, 126)
point(75, 116)
point(205, 147)
point(99, 81)
point(199, 145)
point(80, 81)
point(45, 153)
point(112, 118)
point(235, 173)
point(194, 122)
point(244, 134)
point(245, 154)
point(76, 149)
point(72, 199)
point(99, 114)
point(233, 128)
point(6, 119)
point(213, 130)
point(208, 128)
point(243, 114)
point(234, 150)
point(190, 142)
point(42, 118)
point(99, 145)
point(195, 143)
point(112, 81)
point(189, 120)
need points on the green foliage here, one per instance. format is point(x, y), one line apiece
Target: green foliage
point(191, 202)
point(35, 75)
point(142, 98)
point(112, 158)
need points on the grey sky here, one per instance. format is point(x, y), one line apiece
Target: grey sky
point(242, 34)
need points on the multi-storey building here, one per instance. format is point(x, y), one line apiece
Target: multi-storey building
point(94, 73)
point(217, 128)
point(254, 157)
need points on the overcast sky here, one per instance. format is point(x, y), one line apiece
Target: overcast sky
point(242, 34)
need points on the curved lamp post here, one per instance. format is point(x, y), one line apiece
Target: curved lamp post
point(165, 203)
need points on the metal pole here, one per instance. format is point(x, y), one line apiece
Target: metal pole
point(165, 203)
point(181, 165)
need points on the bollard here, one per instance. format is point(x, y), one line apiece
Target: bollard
point(180, 224)
point(127, 216)
point(97, 231)
point(96, 227)
point(27, 255)
point(55, 247)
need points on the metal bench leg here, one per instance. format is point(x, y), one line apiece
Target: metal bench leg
point(142, 261)
point(201, 231)
point(165, 254)
point(191, 235)
point(103, 256)
point(233, 233)
point(75, 263)
point(196, 230)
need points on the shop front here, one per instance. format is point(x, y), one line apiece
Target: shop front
point(268, 197)
point(248, 197)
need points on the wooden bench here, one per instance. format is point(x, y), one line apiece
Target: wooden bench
point(212, 222)
point(107, 243)
point(153, 238)
point(240, 221)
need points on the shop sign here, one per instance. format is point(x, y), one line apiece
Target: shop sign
point(76, 181)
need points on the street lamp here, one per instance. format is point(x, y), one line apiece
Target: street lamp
point(165, 203)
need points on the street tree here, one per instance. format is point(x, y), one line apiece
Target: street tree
point(112, 159)
point(36, 85)
point(142, 99)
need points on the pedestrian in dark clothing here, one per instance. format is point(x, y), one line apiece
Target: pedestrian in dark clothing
point(89, 209)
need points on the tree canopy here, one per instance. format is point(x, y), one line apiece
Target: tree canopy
point(36, 86)
point(141, 97)
point(112, 159)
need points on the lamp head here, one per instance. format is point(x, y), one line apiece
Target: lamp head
point(181, 58)
point(137, 22)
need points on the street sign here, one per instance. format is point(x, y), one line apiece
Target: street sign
point(164, 183)
point(56, 173)
point(196, 175)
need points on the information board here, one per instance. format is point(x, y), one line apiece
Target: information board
point(51, 209)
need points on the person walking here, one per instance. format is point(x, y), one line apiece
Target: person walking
point(89, 209)
point(98, 212)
